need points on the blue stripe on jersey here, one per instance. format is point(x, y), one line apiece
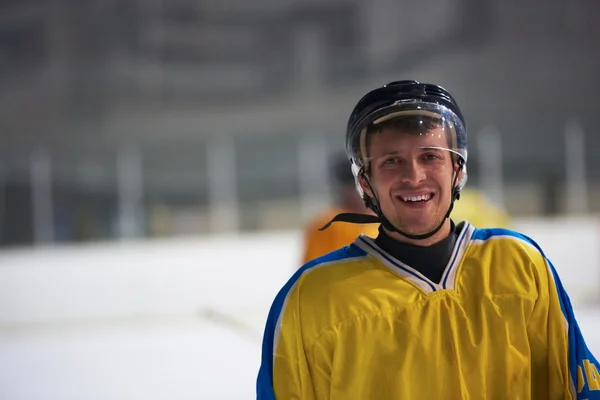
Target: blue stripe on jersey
point(264, 383)
point(398, 265)
point(578, 350)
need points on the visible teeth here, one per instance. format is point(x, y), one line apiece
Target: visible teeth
point(423, 197)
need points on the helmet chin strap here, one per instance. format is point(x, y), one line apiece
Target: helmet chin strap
point(373, 204)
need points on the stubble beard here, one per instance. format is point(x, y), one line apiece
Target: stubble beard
point(435, 220)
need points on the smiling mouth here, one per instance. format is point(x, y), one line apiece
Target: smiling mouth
point(417, 199)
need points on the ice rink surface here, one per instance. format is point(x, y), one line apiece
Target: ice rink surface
point(189, 357)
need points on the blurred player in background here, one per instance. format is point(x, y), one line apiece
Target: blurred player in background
point(318, 243)
point(429, 309)
point(476, 208)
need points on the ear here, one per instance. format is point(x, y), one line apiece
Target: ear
point(461, 171)
point(364, 186)
point(462, 175)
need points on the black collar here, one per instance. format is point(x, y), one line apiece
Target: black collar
point(428, 260)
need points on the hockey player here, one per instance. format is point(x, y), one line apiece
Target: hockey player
point(320, 242)
point(427, 310)
point(476, 208)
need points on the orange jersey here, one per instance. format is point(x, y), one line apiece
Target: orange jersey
point(339, 234)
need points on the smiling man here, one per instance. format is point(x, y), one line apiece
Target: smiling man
point(408, 157)
point(428, 309)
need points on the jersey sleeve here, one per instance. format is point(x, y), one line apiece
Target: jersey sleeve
point(563, 366)
point(284, 370)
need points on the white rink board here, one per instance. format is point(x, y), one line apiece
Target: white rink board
point(133, 320)
point(169, 277)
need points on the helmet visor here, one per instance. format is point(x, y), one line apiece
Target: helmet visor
point(440, 128)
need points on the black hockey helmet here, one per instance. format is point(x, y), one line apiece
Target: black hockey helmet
point(404, 98)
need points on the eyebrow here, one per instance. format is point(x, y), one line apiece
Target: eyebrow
point(375, 154)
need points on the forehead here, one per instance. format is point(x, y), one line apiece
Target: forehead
point(390, 139)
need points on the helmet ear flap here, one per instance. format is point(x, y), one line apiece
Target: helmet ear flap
point(458, 186)
point(371, 201)
point(358, 173)
point(463, 179)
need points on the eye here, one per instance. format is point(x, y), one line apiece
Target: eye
point(390, 161)
point(431, 156)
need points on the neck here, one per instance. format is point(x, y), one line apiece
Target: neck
point(438, 236)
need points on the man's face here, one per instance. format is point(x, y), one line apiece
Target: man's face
point(413, 184)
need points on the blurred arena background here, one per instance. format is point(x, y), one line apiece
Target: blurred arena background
point(159, 160)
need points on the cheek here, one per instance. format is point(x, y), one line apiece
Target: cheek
point(382, 183)
point(445, 183)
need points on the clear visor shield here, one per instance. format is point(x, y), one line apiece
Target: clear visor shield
point(415, 127)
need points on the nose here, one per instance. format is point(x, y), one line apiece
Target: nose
point(413, 173)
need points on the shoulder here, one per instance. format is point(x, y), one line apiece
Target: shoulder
point(508, 243)
point(312, 294)
point(321, 270)
point(329, 264)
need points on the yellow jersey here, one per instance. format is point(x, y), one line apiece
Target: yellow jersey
point(339, 234)
point(359, 324)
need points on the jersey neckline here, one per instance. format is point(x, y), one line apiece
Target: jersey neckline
point(448, 280)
